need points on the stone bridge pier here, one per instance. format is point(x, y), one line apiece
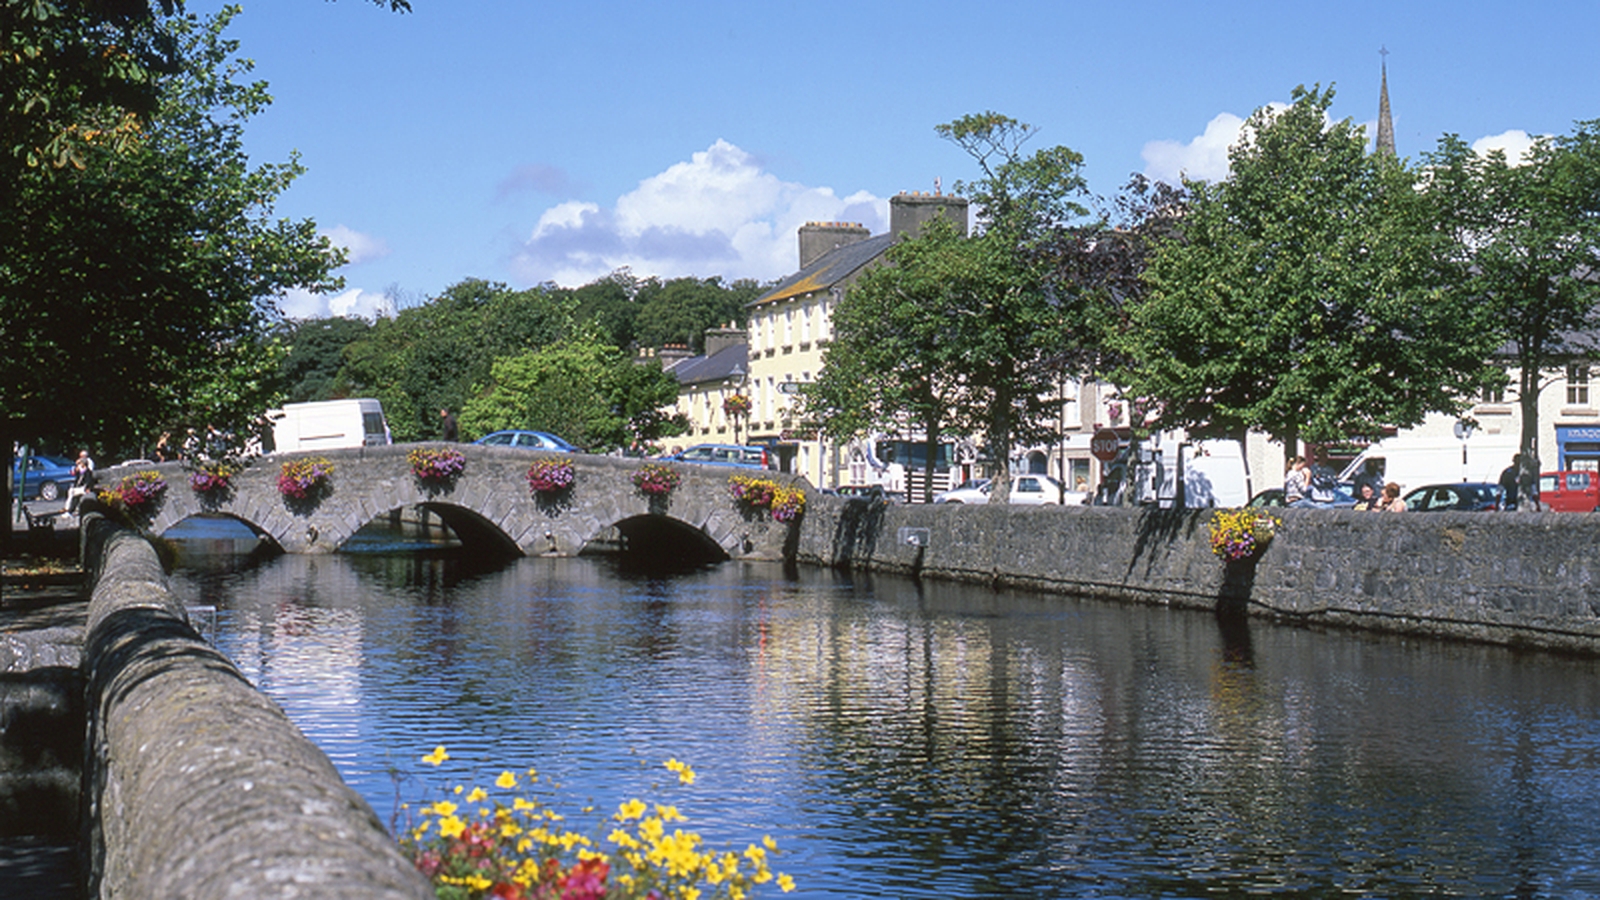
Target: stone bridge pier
point(489, 505)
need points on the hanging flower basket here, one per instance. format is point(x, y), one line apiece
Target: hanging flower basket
point(1238, 534)
point(549, 476)
point(757, 494)
point(787, 504)
point(136, 493)
point(736, 405)
point(212, 479)
point(656, 479)
point(439, 465)
point(305, 479)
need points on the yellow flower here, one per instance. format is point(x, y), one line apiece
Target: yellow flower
point(477, 796)
point(668, 813)
point(522, 805)
point(768, 842)
point(633, 809)
point(685, 774)
point(437, 756)
point(785, 883)
point(442, 808)
point(450, 826)
point(506, 781)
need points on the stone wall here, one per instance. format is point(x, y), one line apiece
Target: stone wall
point(1524, 579)
point(196, 784)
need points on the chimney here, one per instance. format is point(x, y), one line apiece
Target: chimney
point(909, 210)
point(726, 336)
point(672, 354)
point(817, 238)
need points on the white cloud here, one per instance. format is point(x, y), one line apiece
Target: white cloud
point(718, 213)
point(1516, 143)
point(1204, 158)
point(354, 303)
point(361, 247)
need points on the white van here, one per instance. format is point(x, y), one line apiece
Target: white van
point(1413, 462)
point(328, 425)
point(1215, 473)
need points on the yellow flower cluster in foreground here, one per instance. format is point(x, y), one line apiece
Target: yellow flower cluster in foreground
point(507, 844)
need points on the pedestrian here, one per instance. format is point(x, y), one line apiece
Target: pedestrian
point(1390, 502)
point(83, 481)
point(451, 431)
point(1511, 480)
point(1296, 480)
point(1368, 499)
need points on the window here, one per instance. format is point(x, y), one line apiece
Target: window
point(1577, 385)
point(1496, 395)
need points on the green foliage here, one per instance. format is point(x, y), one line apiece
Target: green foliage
point(680, 310)
point(590, 393)
point(135, 290)
point(315, 354)
point(1526, 244)
point(1304, 296)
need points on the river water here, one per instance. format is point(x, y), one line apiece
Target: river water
point(906, 740)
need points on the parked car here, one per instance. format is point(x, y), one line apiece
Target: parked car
point(1465, 496)
point(527, 440)
point(1026, 490)
point(1569, 491)
point(49, 477)
point(1272, 498)
point(748, 456)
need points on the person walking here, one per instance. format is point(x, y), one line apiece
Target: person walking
point(451, 432)
point(83, 481)
point(1511, 480)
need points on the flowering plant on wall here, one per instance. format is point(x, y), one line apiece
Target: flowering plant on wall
point(788, 503)
point(751, 493)
point(1241, 533)
point(303, 479)
point(436, 465)
point(549, 476)
point(212, 478)
point(511, 840)
point(736, 405)
point(656, 479)
point(137, 492)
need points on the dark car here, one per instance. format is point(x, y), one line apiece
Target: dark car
point(1465, 496)
point(527, 440)
point(1272, 498)
point(49, 477)
point(753, 457)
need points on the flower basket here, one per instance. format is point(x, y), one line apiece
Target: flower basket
point(136, 493)
point(305, 479)
point(757, 494)
point(656, 479)
point(736, 405)
point(212, 479)
point(1238, 534)
point(436, 465)
point(549, 476)
point(787, 504)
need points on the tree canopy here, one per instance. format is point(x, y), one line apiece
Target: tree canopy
point(1304, 296)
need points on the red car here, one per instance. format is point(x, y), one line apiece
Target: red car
point(1569, 491)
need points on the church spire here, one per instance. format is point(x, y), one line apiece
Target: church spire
point(1385, 123)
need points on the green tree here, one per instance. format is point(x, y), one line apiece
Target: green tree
point(1527, 246)
point(586, 391)
point(1006, 317)
point(680, 310)
point(1304, 296)
point(315, 354)
point(135, 291)
point(891, 361)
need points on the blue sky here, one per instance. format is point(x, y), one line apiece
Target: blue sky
point(523, 142)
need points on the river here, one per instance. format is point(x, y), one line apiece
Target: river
point(930, 740)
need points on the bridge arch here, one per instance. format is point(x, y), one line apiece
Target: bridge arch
point(489, 505)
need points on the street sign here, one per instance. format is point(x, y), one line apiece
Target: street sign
point(1105, 445)
point(789, 387)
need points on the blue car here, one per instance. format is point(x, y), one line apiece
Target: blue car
point(527, 440)
point(49, 477)
point(747, 456)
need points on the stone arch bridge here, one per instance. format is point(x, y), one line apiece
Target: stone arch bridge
point(488, 506)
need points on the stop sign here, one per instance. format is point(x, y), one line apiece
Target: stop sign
point(1104, 445)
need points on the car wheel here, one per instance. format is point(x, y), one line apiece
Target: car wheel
point(49, 490)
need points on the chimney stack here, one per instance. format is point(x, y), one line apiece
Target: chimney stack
point(726, 336)
point(909, 210)
point(817, 238)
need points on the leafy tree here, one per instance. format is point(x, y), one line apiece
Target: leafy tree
point(1527, 247)
point(1007, 318)
point(315, 353)
point(680, 310)
point(895, 340)
point(135, 290)
point(608, 304)
point(588, 392)
point(1304, 296)
point(429, 357)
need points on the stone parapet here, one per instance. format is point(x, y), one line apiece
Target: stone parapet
point(197, 784)
point(1518, 579)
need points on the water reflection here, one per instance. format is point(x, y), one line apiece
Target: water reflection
point(906, 740)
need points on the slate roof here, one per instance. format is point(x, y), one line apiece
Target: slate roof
point(828, 269)
point(718, 366)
